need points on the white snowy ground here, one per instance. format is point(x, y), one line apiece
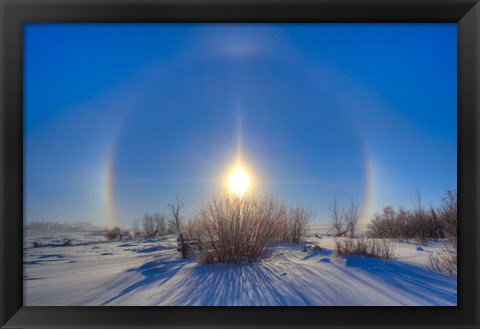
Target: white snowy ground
point(151, 272)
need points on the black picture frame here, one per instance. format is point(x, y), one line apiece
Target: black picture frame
point(15, 13)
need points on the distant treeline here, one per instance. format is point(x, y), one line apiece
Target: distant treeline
point(55, 226)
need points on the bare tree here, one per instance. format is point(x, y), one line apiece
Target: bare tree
point(175, 221)
point(337, 218)
point(154, 224)
point(351, 218)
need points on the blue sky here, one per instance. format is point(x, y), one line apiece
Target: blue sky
point(120, 118)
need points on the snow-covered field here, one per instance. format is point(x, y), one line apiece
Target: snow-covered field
point(151, 272)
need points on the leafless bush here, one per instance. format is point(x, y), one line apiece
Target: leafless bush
point(383, 224)
point(351, 218)
point(448, 215)
point(298, 224)
point(380, 248)
point(193, 227)
point(233, 229)
point(154, 225)
point(148, 225)
point(426, 224)
point(113, 233)
point(175, 222)
point(421, 223)
point(337, 218)
point(445, 260)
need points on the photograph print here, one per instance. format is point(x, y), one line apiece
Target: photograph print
point(240, 164)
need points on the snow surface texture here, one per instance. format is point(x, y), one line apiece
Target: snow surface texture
point(150, 272)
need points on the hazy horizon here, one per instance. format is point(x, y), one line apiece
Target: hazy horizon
point(121, 118)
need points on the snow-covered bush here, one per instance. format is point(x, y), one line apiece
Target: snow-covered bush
point(234, 229)
point(380, 248)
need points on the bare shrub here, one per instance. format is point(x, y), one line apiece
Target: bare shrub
point(234, 229)
point(113, 233)
point(448, 215)
point(175, 222)
point(423, 223)
point(298, 224)
point(160, 221)
point(351, 218)
point(383, 224)
point(445, 260)
point(148, 226)
point(154, 225)
point(193, 227)
point(404, 228)
point(426, 224)
point(380, 248)
point(337, 218)
point(420, 223)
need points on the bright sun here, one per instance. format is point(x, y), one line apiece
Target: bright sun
point(239, 181)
